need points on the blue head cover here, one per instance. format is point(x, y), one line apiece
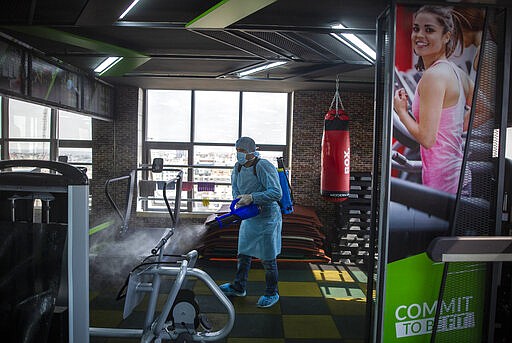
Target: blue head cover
point(246, 143)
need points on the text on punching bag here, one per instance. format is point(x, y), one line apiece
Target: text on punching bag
point(346, 161)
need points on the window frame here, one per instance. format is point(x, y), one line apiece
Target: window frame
point(55, 142)
point(147, 146)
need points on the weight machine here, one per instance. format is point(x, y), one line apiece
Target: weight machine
point(44, 216)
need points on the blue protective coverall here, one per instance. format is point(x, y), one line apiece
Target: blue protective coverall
point(260, 236)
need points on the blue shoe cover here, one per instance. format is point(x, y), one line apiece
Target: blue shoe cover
point(268, 300)
point(228, 290)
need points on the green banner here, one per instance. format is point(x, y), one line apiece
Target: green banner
point(412, 289)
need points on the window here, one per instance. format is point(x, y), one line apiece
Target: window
point(212, 184)
point(74, 126)
point(75, 139)
point(170, 157)
point(27, 120)
point(29, 130)
point(170, 116)
point(264, 117)
point(216, 116)
point(77, 155)
point(271, 156)
point(29, 150)
point(196, 131)
point(175, 157)
point(42, 133)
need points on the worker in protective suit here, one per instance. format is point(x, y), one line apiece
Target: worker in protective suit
point(255, 180)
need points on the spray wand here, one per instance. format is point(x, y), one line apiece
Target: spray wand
point(236, 215)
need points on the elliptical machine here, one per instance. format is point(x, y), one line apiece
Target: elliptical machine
point(180, 319)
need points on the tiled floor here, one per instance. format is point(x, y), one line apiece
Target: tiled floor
point(319, 303)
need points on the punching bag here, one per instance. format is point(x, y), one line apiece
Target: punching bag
point(335, 162)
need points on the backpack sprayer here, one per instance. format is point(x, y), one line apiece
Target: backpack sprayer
point(244, 212)
point(286, 202)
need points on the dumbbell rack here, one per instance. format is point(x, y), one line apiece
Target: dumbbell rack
point(353, 222)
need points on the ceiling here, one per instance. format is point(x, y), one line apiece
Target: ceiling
point(160, 52)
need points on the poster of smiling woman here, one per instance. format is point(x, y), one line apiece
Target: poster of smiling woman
point(434, 185)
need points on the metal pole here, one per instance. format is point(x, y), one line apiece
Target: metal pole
point(78, 263)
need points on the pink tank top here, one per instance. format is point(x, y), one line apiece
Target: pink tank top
point(442, 163)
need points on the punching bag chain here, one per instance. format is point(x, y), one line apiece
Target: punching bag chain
point(337, 99)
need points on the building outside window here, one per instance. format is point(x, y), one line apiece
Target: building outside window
point(196, 131)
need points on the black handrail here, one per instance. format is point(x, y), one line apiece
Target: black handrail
point(129, 198)
point(70, 174)
point(177, 200)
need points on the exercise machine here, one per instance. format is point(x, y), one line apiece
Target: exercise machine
point(180, 319)
point(146, 188)
point(44, 216)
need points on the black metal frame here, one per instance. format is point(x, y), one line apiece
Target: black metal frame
point(131, 179)
point(380, 195)
point(381, 163)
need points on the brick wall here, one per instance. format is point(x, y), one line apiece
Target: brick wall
point(309, 110)
point(103, 160)
point(114, 152)
point(115, 148)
